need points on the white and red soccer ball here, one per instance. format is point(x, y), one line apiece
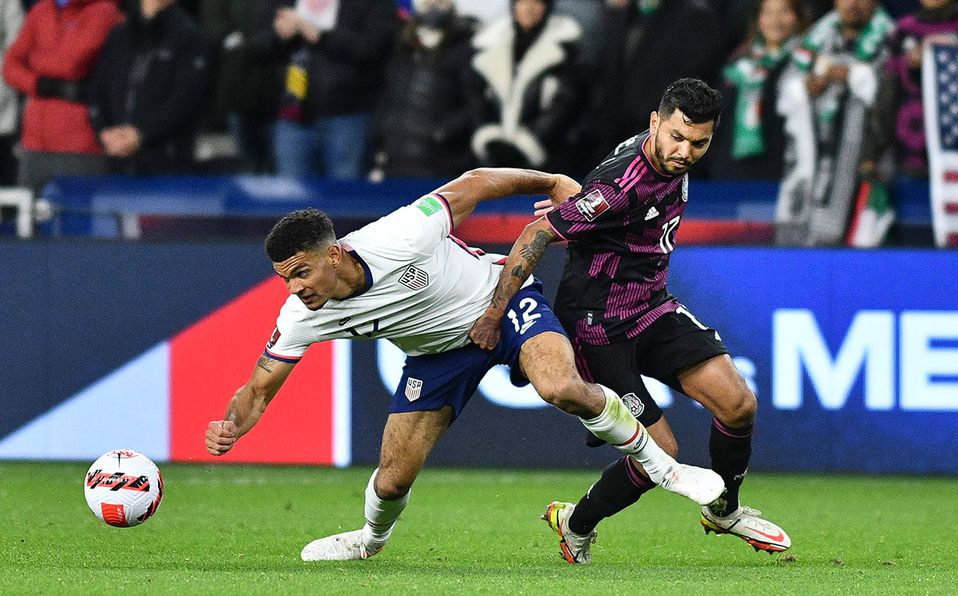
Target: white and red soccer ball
point(123, 488)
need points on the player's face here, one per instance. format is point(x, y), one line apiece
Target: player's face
point(311, 275)
point(677, 142)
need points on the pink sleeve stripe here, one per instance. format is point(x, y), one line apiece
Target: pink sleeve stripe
point(445, 204)
point(554, 229)
point(286, 359)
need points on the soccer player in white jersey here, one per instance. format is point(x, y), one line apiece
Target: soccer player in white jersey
point(407, 279)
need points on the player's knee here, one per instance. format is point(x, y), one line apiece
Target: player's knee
point(569, 395)
point(740, 410)
point(390, 488)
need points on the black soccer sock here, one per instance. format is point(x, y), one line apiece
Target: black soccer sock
point(620, 485)
point(730, 449)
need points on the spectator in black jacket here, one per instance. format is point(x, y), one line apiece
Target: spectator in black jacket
point(646, 45)
point(150, 89)
point(423, 123)
point(528, 88)
point(336, 55)
point(248, 89)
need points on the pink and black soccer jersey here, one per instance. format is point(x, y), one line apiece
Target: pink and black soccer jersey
point(621, 231)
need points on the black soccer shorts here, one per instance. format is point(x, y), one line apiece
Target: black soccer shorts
point(673, 343)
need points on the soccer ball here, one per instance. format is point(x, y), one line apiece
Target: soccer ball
point(123, 488)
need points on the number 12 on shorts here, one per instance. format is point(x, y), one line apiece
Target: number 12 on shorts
point(528, 318)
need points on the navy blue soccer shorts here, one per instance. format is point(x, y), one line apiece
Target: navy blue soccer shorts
point(432, 381)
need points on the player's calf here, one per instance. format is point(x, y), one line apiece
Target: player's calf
point(617, 426)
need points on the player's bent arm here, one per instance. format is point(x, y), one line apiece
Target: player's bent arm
point(247, 404)
point(486, 184)
point(522, 261)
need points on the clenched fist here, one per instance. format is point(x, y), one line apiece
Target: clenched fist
point(221, 435)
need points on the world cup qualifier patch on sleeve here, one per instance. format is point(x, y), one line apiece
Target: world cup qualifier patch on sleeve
point(429, 205)
point(592, 205)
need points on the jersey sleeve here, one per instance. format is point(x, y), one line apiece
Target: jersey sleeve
point(599, 205)
point(290, 338)
point(416, 228)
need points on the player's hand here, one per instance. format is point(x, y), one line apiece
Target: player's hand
point(485, 331)
point(221, 435)
point(563, 189)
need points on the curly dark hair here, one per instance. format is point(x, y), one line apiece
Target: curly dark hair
point(298, 231)
point(699, 102)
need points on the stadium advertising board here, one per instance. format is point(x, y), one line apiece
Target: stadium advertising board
point(853, 356)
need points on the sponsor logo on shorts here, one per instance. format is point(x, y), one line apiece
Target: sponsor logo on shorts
point(414, 278)
point(592, 205)
point(634, 404)
point(413, 389)
point(653, 213)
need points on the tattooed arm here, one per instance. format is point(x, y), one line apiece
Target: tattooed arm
point(248, 404)
point(525, 255)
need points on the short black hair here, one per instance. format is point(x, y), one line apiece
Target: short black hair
point(699, 102)
point(299, 231)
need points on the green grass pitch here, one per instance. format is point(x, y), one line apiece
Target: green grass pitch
point(228, 529)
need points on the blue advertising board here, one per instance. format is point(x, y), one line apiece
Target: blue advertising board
point(853, 355)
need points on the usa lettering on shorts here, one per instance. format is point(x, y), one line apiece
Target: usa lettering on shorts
point(413, 389)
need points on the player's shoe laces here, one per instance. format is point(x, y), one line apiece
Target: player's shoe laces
point(575, 548)
point(347, 546)
point(699, 484)
point(747, 524)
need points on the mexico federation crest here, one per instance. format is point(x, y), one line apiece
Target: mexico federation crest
point(413, 389)
point(592, 205)
point(633, 403)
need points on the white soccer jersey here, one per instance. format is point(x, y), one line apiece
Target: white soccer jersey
point(424, 288)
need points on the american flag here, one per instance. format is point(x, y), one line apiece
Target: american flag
point(940, 96)
point(946, 71)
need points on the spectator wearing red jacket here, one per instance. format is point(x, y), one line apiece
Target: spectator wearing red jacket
point(55, 51)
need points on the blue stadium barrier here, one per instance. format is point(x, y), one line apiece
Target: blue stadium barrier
point(97, 206)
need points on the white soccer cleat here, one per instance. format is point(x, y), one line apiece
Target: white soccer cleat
point(347, 546)
point(699, 484)
point(575, 548)
point(745, 523)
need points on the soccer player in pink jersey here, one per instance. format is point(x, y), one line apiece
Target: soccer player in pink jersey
point(623, 322)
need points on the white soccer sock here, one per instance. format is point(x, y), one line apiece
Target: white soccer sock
point(381, 516)
point(617, 426)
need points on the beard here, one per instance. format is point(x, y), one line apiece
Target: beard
point(667, 167)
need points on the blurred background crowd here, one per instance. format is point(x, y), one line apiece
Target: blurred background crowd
point(821, 95)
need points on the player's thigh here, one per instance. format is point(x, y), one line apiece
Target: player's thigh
point(717, 385)
point(408, 439)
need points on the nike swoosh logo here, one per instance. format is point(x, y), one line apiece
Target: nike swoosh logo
point(344, 321)
point(778, 538)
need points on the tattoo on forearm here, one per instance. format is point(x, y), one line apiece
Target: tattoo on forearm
point(533, 251)
point(265, 363)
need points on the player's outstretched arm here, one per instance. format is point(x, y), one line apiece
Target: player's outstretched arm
point(247, 405)
point(523, 258)
point(487, 184)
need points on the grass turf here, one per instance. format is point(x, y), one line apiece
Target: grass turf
point(224, 529)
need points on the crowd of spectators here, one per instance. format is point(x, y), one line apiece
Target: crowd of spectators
point(818, 93)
